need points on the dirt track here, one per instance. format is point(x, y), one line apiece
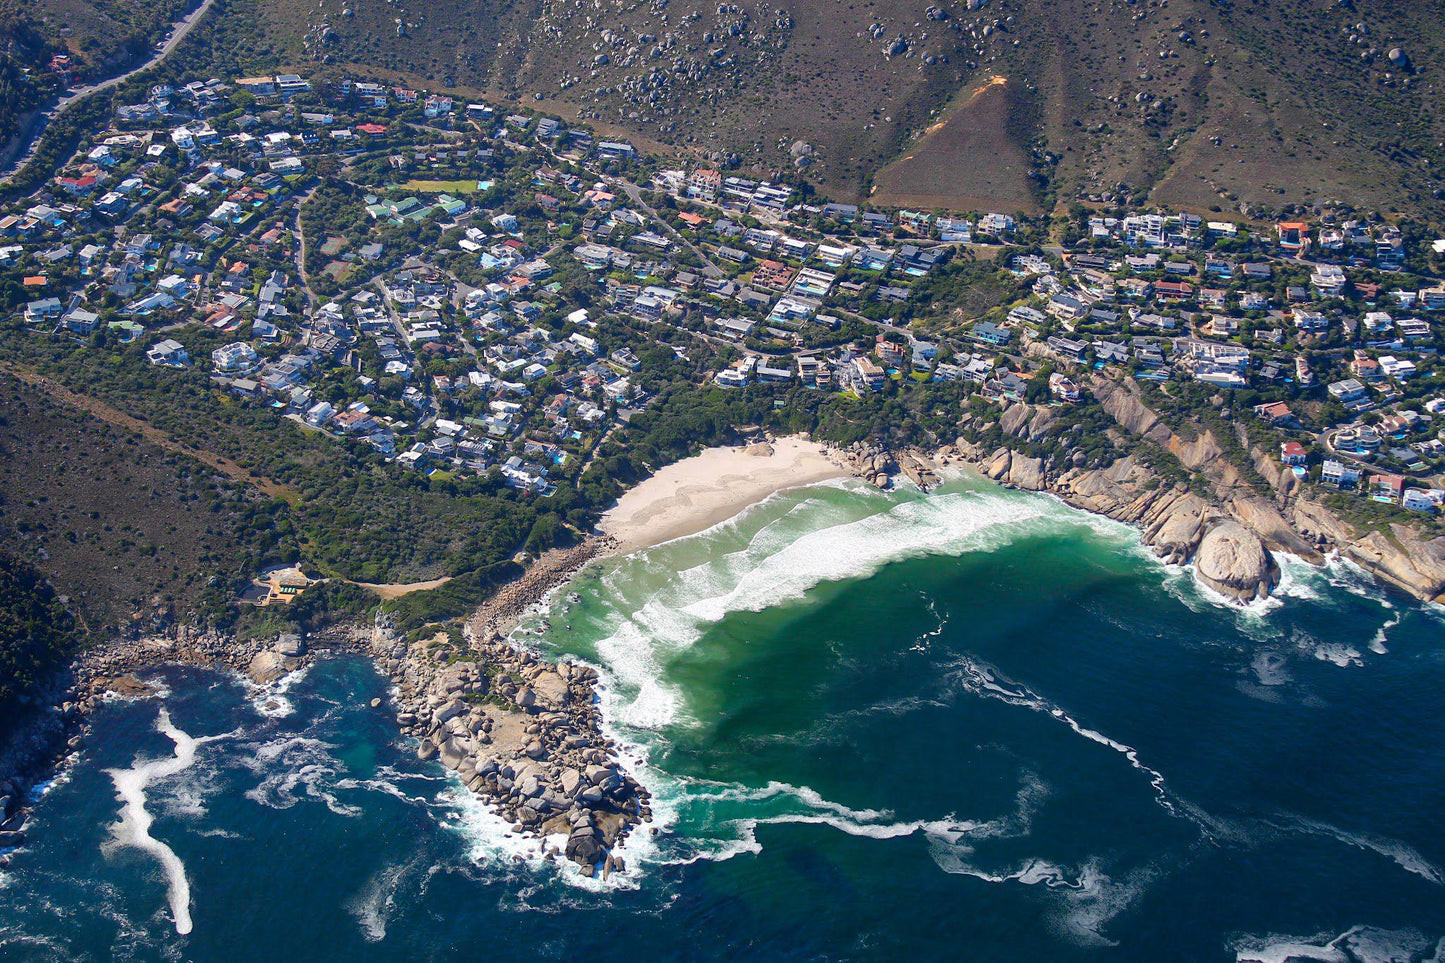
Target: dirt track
point(150, 433)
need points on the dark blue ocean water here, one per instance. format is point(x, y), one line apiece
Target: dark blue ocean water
point(973, 725)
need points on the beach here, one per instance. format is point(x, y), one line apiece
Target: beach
point(697, 493)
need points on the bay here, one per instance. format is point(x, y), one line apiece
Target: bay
point(971, 724)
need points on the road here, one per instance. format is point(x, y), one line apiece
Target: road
point(178, 33)
point(634, 194)
point(311, 297)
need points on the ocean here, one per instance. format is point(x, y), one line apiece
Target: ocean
point(973, 724)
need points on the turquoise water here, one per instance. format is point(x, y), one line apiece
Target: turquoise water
point(968, 725)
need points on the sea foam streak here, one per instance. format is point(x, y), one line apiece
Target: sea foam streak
point(1359, 944)
point(987, 681)
point(133, 828)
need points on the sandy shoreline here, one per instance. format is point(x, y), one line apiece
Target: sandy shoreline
point(697, 493)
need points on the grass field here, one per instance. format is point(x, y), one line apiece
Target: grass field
point(417, 186)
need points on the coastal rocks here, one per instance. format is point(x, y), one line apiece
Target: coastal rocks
point(1179, 525)
point(1233, 561)
point(1320, 525)
point(1405, 560)
point(544, 574)
point(270, 665)
point(869, 462)
point(1015, 469)
point(1124, 407)
point(1265, 520)
point(1014, 418)
point(128, 686)
point(290, 645)
point(1175, 526)
point(1195, 454)
point(523, 734)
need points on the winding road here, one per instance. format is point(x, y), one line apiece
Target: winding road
point(179, 30)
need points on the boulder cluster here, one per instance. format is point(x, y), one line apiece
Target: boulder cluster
point(524, 733)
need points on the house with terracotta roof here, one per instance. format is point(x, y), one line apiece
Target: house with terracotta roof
point(1292, 453)
point(1294, 236)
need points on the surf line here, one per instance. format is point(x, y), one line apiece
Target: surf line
point(988, 682)
point(133, 827)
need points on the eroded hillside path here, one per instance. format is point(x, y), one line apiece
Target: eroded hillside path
point(150, 433)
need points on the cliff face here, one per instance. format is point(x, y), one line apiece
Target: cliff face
point(1231, 532)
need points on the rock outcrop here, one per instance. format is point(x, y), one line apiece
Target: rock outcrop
point(1403, 559)
point(1233, 561)
point(523, 733)
point(270, 665)
point(1222, 524)
point(1015, 469)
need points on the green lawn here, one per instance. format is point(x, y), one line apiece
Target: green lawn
point(440, 187)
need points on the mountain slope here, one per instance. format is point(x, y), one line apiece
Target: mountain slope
point(1227, 104)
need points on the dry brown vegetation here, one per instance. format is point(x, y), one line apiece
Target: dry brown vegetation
point(1223, 104)
point(970, 159)
point(125, 530)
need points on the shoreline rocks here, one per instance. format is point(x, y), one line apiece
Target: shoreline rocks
point(1176, 522)
point(1233, 561)
point(50, 737)
point(523, 733)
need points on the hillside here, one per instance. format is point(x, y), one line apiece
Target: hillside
point(127, 533)
point(1015, 104)
point(1204, 103)
point(35, 629)
point(49, 45)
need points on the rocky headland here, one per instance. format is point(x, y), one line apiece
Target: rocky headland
point(1225, 527)
point(523, 733)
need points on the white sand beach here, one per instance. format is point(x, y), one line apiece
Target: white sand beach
point(698, 492)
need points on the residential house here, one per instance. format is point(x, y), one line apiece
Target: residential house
point(168, 354)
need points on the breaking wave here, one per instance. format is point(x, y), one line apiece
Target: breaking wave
point(293, 766)
point(781, 563)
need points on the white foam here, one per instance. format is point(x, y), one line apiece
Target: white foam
point(1083, 900)
point(270, 701)
point(133, 828)
point(925, 641)
point(985, 680)
point(291, 762)
point(1359, 944)
point(942, 524)
point(1338, 653)
point(1377, 644)
point(1402, 854)
point(375, 904)
point(491, 841)
point(779, 564)
point(1270, 668)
